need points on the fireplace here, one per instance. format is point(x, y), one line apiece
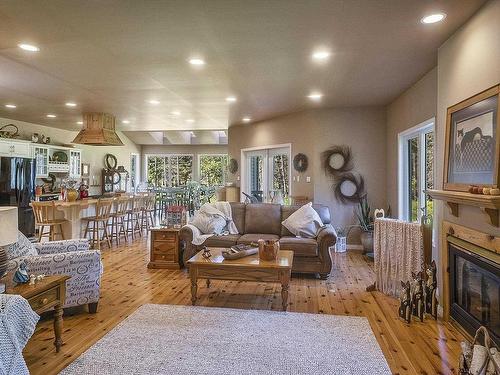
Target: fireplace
point(474, 287)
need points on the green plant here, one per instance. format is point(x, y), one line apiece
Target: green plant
point(344, 231)
point(364, 214)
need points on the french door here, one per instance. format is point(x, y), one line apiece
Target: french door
point(416, 160)
point(267, 171)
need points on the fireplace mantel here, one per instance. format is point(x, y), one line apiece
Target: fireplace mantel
point(489, 204)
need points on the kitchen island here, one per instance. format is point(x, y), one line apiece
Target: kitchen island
point(73, 213)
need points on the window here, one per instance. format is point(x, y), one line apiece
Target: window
point(267, 171)
point(169, 170)
point(212, 169)
point(416, 172)
point(134, 171)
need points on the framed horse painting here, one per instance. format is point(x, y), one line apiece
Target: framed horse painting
point(472, 142)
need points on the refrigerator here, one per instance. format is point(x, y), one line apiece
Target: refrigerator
point(17, 188)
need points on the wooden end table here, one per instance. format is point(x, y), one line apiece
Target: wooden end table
point(249, 268)
point(44, 295)
point(165, 248)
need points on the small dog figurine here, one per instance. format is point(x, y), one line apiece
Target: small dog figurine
point(417, 295)
point(21, 276)
point(405, 302)
point(430, 290)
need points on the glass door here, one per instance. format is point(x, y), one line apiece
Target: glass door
point(417, 173)
point(267, 174)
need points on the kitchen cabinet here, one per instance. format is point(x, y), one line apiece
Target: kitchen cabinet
point(75, 161)
point(41, 155)
point(14, 148)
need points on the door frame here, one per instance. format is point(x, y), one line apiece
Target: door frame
point(418, 130)
point(243, 165)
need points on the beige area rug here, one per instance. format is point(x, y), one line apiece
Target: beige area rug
point(167, 339)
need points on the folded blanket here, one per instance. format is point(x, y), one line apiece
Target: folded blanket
point(210, 219)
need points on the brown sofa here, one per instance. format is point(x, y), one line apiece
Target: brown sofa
point(256, 221)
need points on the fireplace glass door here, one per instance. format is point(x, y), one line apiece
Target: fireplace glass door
point(475, 291)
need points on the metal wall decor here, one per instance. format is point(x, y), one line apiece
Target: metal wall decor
point(300, 162)
point(337, 159)
point(233, 166)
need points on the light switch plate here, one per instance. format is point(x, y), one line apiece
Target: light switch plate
point(308, 179)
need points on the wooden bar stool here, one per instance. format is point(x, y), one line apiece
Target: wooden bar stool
point(99, 222)
point(134, 216)
point(117, 222)
point(147, 212)
point(44, 213)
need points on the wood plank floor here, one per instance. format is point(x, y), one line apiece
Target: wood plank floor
point(420, 348)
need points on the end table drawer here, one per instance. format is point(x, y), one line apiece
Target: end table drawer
point(165, 236)
point(44, 299)
point(164, 247)
point(163, 257)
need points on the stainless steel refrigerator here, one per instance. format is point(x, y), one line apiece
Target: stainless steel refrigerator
point(17, 188)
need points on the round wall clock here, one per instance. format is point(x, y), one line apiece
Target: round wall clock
point(300, 162)
point(233, 166)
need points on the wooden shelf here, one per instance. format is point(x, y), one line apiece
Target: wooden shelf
point(489, 204)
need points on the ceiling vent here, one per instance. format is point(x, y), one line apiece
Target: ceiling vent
point(98, 130)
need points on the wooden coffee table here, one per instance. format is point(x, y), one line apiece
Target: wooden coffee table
point(249, 268)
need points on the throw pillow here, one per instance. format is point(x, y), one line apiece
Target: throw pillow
point(305, 222)
point(209, 224)
point(22, 248)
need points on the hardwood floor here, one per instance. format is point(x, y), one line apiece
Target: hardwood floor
point(420, 348)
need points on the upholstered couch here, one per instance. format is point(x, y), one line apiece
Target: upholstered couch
point(68, 257)
point(263, 221)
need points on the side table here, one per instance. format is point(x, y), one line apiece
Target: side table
point(165, 248)
point(44, 295)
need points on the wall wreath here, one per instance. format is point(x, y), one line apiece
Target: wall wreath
point(349, 187)
point(300, 162)
point(110, 161)
point(337, 159)
point(233, 166)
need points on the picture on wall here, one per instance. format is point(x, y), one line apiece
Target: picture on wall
point(472, 149)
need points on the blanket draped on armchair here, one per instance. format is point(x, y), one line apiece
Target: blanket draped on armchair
point(398, 248)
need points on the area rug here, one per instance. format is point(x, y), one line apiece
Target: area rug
point(165, 339)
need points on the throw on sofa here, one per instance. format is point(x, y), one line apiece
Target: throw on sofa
point(263, 221)
point(68, 257)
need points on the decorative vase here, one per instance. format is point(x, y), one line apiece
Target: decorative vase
point(341, 245)
point(71, 195)
point(367, 241)
point(268, 250)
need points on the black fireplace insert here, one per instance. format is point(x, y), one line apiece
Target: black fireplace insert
point(474, 287)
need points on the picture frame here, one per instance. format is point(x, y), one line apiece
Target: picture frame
point(85, 170)
point(472, 142)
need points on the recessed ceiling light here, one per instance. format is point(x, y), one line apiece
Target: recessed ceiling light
point(175, 113)
point(433, 18)
point(154, 102)
point(10, 106)
point(50, 115)
point(246, 119)
point(125, 121)
point(28, 47)
point(321, 55)
point(189, 120)
point(70, 104)
point(197, 61)
point(316, 96)
point(231, 99)
point(79, 122)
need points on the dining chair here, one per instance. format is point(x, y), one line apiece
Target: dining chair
point(44, 213)
point(98, 223)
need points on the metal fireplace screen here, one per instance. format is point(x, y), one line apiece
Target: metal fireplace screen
point(475, 288)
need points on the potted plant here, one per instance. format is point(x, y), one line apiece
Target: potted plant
point(342, 234)
point(365, 220)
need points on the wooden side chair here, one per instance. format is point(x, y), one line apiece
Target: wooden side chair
point(44, 213)
point(134, 211)
point(99, 222)
point(118, 219)
point(299, 200)
point(147, 212)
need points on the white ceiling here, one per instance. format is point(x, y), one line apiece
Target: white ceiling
point(113, 56)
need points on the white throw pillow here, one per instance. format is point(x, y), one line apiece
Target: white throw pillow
point(209, 224)
point(305, 222)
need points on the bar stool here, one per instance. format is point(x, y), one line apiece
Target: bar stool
point(147, 212)
point(134, 216)
point(44, 213)
point(99, 222)
point(117, 223)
